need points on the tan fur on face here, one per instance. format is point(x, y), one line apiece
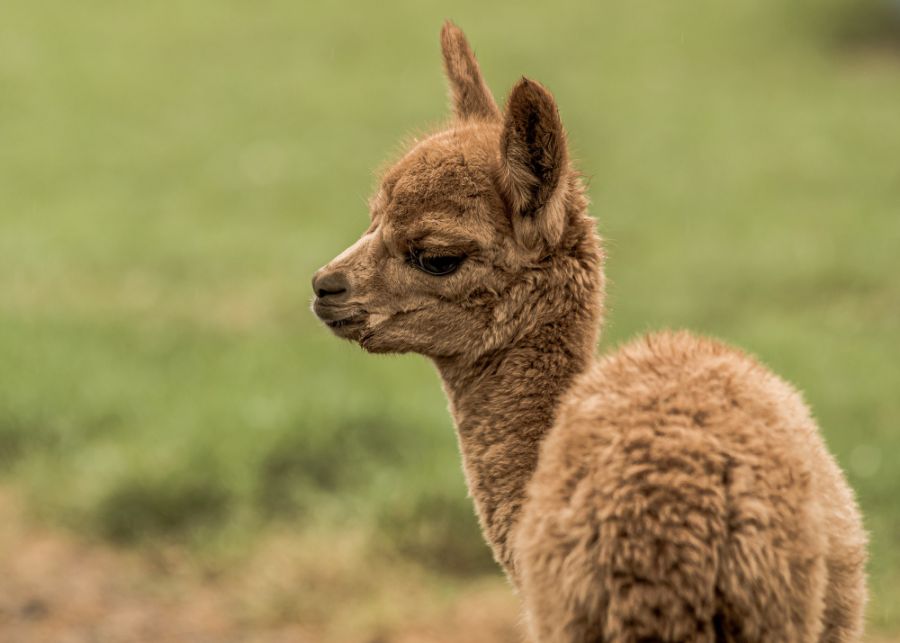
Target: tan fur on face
point(675, 490)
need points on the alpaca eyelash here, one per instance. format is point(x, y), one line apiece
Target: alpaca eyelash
point(437, 265)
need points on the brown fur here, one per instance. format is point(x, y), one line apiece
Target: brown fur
point(675, 490)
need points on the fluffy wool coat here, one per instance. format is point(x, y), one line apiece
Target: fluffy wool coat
point(674, 490)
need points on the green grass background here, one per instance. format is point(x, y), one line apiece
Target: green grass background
point(171, 174)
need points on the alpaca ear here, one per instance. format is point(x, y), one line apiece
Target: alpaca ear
point(471, 96)
point(533, 162)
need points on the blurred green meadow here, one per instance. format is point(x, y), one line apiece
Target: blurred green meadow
point(171, 175)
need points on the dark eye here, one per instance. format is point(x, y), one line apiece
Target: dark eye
point(437, 265)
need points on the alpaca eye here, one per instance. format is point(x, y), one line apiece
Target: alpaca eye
point(437, 265)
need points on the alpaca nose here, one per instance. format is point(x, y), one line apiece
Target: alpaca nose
point(329, 283)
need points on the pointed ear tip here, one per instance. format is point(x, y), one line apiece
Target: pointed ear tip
point(526, 85)
point(450, 32)
point(530, 90)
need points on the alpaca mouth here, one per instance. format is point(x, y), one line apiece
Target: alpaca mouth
point(351, 327)
point(341, 321)
point(345, 322)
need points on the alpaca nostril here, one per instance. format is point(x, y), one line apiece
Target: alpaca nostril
point(330, 284)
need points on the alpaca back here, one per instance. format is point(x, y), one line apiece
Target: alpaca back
point(685, 494)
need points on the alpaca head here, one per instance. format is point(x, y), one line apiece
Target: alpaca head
point(478, 233)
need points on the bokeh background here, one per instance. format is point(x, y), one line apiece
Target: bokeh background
point(186, 455)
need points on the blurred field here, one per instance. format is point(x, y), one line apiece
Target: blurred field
point(171, 176)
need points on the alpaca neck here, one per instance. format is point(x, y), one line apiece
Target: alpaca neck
point(503, 406)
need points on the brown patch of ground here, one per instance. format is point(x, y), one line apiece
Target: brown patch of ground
point(57, 588)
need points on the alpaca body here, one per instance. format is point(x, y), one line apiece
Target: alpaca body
point(684, 494)
point(673, 491)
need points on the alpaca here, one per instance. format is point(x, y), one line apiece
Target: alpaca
point(674, 490)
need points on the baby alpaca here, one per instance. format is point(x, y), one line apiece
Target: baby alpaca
point(675, 490)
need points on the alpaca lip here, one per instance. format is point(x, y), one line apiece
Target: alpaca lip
point(348, 327)
point(336, 317)
point(340, 323)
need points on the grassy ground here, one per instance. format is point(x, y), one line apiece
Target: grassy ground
point(170, 177)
